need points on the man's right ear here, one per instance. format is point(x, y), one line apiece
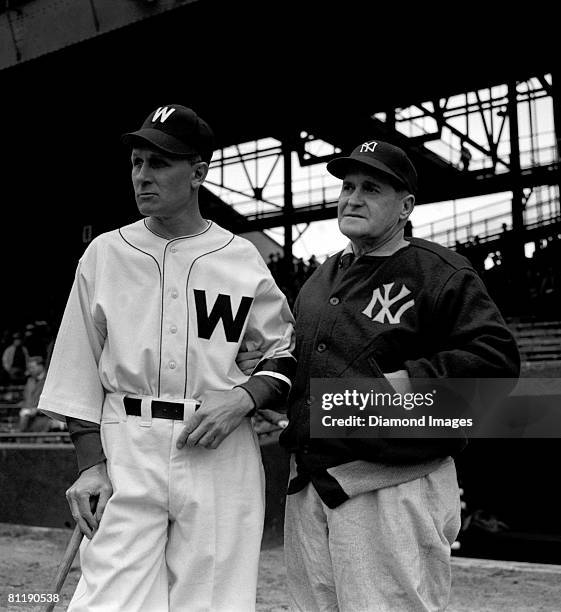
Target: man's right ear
point(407, 206)
point(200, 172)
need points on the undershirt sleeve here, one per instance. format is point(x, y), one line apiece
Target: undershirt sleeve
point(86, 438)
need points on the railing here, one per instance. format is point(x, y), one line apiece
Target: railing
point(466, 225)
point(18, 437)
point(529, 158)
point(9, 392)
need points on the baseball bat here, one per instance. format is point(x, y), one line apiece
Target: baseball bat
point(64, 567)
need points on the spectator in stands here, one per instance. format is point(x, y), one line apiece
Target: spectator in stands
point(49, 341)
point(465, 157)
point(548, 292)
point(14, 359)
point(5, 341)
point(313, 264)
point(460, 248)
point(32, 340)
point(273, 264)
point(507, 247)
point(29, 418)
point(476, 254)
point(300, 270)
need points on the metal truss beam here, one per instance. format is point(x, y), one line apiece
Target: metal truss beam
point(496, 111)
point(256, 185)
point(496, 183)
point(556, 98)
point(288, 210)
point(464, 136)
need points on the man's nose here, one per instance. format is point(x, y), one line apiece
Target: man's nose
point(144, 173)
point(355, 198)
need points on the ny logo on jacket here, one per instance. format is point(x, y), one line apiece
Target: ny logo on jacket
point(386, 302)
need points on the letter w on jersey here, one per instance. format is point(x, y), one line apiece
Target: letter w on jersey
point(162, 113)
point(222, 309)
point(386, 303)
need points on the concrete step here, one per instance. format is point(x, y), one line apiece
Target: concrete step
point(546, 347)
point(535, 325)
point(529, 333)
point(540, 356)
point(539, 340)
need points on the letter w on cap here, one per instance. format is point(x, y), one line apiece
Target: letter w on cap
point(368, 147)
point(162, 114)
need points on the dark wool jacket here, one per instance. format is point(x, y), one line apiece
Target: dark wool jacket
point(438, 322)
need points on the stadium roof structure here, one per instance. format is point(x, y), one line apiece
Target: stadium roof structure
point(74, 75)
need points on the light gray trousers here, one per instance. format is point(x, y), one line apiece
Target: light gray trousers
point(386, 550)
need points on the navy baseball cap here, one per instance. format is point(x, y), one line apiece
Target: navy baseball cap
point(381, 156)
point(175, 129)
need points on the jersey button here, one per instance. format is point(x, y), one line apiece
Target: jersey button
point(173, 329)
point(334, 301)
point(172, 365)
point(174, 294)
point(321, 347)
point(173, 250)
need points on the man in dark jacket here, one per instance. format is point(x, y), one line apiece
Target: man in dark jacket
point(369, 522)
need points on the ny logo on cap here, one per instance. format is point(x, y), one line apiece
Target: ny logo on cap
point(368, 147)
point(162, 114)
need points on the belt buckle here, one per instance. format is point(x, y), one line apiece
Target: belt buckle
point(167, 411)
point(170, 410)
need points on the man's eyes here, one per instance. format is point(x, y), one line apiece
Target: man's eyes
point(152, 163)
point(367, 187)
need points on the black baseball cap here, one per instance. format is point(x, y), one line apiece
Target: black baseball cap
point(382, 156)
point(175, 129)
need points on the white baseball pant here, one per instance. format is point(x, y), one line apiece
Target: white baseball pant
point(182, 530)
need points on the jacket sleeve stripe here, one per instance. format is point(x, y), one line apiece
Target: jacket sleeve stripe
point(274, 375)
point(280, 365)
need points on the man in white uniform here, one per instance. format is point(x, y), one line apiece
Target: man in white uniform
point(144, 373)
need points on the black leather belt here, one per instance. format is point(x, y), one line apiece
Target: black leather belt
point(159, 409)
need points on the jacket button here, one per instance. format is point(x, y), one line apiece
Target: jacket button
point(334, 301)
point(321, 347)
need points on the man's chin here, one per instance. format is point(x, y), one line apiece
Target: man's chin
point(351, 228)
point(144, 208)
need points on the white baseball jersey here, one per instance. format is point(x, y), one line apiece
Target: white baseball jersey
point(165, 318)
point(158, 318)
